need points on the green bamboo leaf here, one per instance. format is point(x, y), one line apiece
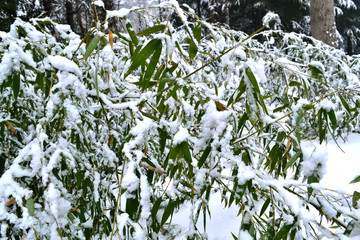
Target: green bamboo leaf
point(345, 104)
point(156, 208)
point(131, 32)
point(255, 85)
point(299, 116)
point(186, 152)
point(282, 233)
point(193, 49)
point(104, 40)
point(163, 137)
point(175, 152)
point(274, 157)
point(150, 30)
point(322, 129)
point(197, 33)
point(30, 205)
point(252, 79)
point(265, 205)
point(16, 84)
point(152, 65)
point(93, 44)
point(308, 106)
point(235, 238)
point(292, 160)
point(356, 180)
point(144, 54)
point(169, 210)
point(120, 35)
point(188, 185)
point(132, 206)
point(312, 179)
point(204, 155)
point(306, 89)
point(331, 115)
point(150, 116)
point(39, 80)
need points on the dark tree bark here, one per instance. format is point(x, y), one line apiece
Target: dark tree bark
point(69, 14)
point(109, 5)
point(322, 21)
point(47, 7)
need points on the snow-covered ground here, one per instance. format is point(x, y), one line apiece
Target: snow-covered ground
point(342, 167)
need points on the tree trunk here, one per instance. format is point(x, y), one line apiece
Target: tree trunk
point(69, 14)
point(322, 20)
point(47, 7)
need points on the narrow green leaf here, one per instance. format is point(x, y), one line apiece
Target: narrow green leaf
point(104, 40)
point(174, 152)
point(16, 84)
point(132, 206)
point(40, 80)
point(308, 106)
point(292, 160)
point(155, 208)
point(204, 155)
point(345, 104)
point(255, 85)
point(169, 210)
point(265, 205)
point(131, 32)
point(188, 185)
point(94, 42)
point(152, 65)
point(331, 115)
point(193, 49)
point(322, 129)
point(163, 137)
point(252, 79)
point(282, 233)
point(150, 116)
point(197, 33)
point(299, 116)
point(30, 205)
point(235, 238)
point(120, 36)
point(144, 54)
point(150, 30)
point(356, 180)
point(186, 152)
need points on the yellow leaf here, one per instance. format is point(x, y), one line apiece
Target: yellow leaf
point(111, 39)
point(13, 131)
point(220, 106)
point(10, 202)
point(148, 167)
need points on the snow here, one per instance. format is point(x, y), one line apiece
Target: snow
point(99, 3)
point(181, 136)
point(315, 158)
point(64, 64)
point(118, 13)
point(130, 181)
point(272, 19)
point(343, 165)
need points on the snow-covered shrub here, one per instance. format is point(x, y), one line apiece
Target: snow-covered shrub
point(106, 137)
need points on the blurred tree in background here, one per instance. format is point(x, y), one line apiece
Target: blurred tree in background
point(243, 15)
